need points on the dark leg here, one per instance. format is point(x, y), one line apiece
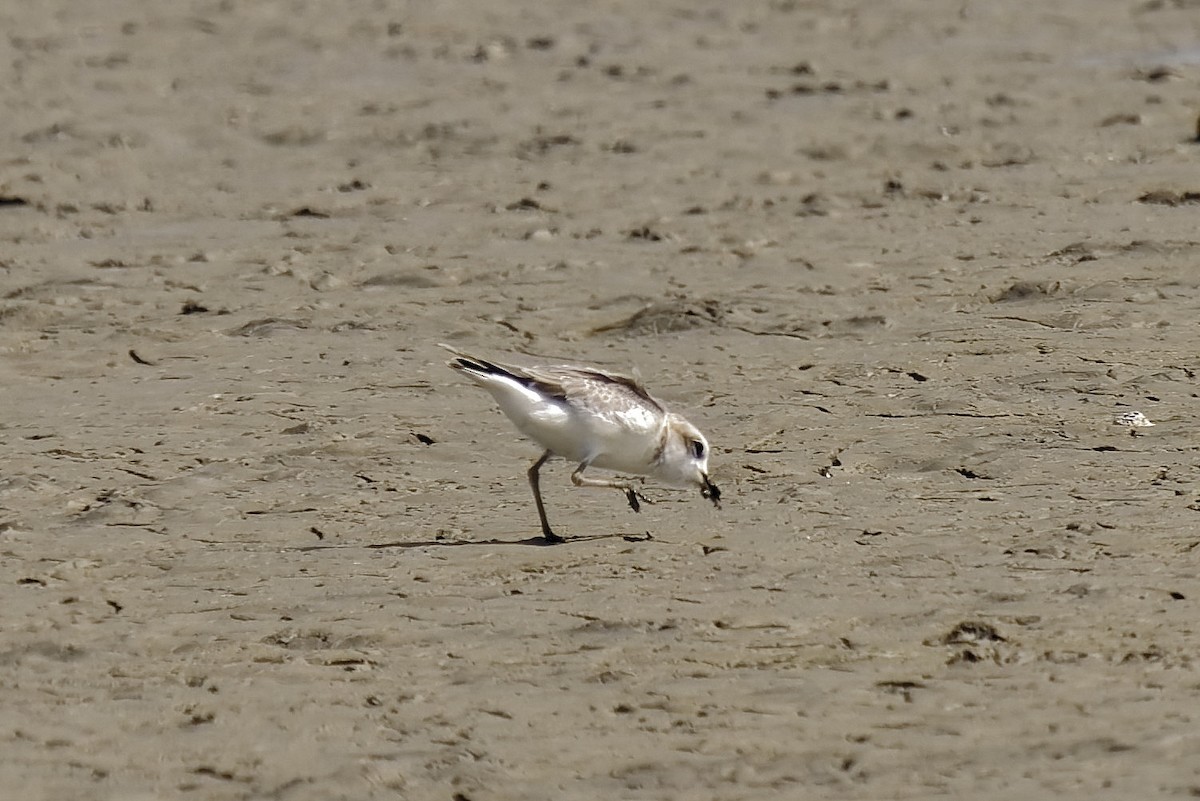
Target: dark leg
point(547, 533)
point(632, 495)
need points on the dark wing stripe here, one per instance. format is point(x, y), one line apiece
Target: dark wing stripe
point(630, 384)
point(553, 391)
point(480, 366)
point(488, 368)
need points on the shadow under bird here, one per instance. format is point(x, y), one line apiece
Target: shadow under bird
point(594, 418)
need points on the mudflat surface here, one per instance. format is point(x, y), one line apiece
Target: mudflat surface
point(902, 262)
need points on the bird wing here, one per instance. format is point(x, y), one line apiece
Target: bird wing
point(618, 399)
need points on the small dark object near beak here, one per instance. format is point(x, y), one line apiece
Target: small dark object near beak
point(711, 491)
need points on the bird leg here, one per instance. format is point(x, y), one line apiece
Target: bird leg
point(547, 533)
point(633, 496)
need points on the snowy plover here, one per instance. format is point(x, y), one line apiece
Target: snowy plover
point(595, 419)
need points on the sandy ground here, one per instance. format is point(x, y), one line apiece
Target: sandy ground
point(902, 262)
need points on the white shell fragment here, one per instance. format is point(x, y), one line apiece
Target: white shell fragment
point(1132, 419)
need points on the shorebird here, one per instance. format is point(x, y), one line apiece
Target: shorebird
point(594, 418)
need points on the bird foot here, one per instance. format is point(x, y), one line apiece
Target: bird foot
point(635, 499)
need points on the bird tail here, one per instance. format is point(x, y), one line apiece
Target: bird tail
point(473, 365)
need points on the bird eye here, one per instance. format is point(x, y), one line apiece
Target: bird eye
point(697, 449)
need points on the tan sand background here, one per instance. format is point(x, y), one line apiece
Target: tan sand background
point(903, 262)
